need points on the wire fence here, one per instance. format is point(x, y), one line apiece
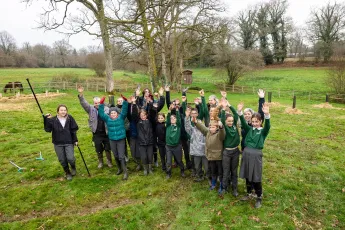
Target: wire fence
point(99, 86)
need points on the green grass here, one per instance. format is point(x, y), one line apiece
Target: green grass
point(303, 178)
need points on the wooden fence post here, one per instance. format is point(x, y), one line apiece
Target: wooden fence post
point(233, 88)
point(269, 97)
point(64, 85)
point(242, 90)
point(327, 98)
point(294, 102)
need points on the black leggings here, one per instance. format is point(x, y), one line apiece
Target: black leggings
point(257, 187)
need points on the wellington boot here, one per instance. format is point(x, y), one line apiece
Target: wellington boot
point(124, 169)
point(119, 169)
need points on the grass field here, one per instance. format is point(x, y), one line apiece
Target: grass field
point(298, 79)
point(303, 177)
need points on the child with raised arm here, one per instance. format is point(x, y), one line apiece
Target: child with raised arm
point(231, 153)
point(197, 144)
point(64, 135)
point(117, 133)
point(173, 135)
point(215, 136)
point(251, 163)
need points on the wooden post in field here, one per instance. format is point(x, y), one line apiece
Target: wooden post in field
point(13, 86)
point(327, 98)
point(233, 88)
point(242, 90)
point(224, 86)
point(46, 93)
point(269, 97)
point(64, 85)
point(294, 102)
point(111, 100)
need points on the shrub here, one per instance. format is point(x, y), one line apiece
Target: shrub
point(96, 62)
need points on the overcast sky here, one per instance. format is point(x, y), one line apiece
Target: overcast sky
point(21, 21)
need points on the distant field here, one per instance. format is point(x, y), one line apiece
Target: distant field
point(272, 79)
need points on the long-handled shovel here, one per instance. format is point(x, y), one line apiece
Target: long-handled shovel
point(84, 161)
point(35, 96)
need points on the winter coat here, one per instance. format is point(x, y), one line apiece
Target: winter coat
point(61, 135)
point(116, 127)
point(93, 113)
point(160, 133)
point(214, 142)
point(197, 139)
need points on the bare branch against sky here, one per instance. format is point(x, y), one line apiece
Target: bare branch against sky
point(20, 21)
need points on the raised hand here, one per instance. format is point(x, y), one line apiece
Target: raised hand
point(184, 98)
point(220, 124)
point(223, 102)
point(196, 101)
point(188, 110)
point(185, 89)
point(266, 108)
point(102, 100)
point(223, 93)
point(156, 95)
point(137, 92)
point(194, 120)
point(48, 115)
point(80, 89)
point(261, 93)
point(240, 107)
point(161, 91)
point(167, 88)
point(202, 93)
point(172, 106)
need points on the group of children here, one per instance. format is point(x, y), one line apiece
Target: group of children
point(207, 135)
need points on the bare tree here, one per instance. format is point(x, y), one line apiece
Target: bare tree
point(247, 28)
point(92, 17)
point(327, 25)
point(236, 63)
point(43, 54)
point(61, 50)
point(7, 43)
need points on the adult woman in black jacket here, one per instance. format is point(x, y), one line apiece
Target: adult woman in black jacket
point(64, 135)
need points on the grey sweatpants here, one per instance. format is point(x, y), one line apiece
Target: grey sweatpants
point(175, 151)
point(146, 153)
point(118, 148)
point(65, 154)
point(200, 161)
point(230, 167)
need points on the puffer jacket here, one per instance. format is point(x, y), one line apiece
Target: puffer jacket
point(116, 127)
point(197, 139)
point(92, 111)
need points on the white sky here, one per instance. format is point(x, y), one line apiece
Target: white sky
point(20, 21)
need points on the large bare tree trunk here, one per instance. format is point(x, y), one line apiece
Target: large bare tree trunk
point(107, 48)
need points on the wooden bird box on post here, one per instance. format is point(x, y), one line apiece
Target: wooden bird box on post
point(187, 76)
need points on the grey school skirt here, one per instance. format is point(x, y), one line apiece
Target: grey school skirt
point(251, 165)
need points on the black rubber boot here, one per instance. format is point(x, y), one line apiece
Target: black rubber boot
point(234, 191)
point(118, 163)
point(150, 169)
point(258, 202)
point(68, 173)
point(124, 168)
point(145, 170)
point(108, 155)
point(100, 160)
point(73, 170)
